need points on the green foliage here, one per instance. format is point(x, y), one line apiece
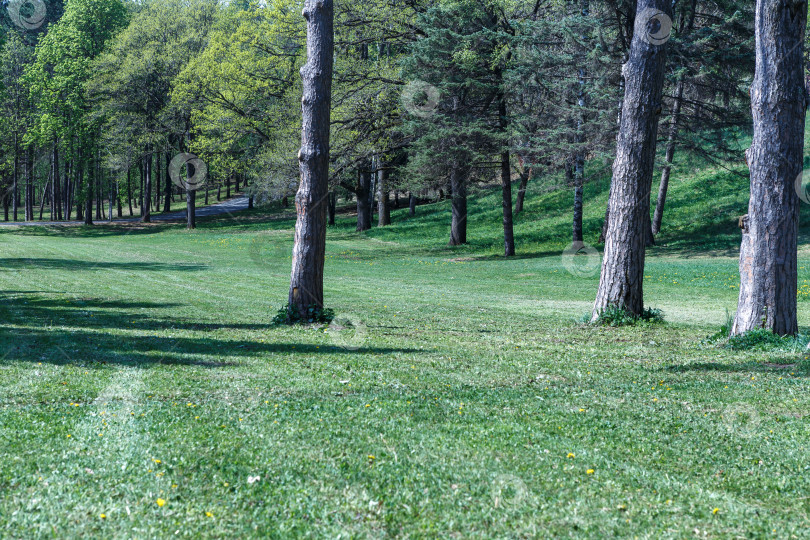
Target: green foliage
point(290, 314)
point(620, 316)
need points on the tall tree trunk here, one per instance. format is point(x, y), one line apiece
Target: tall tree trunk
point(571, 176)
point(29, 184)
point(56, 203)
point(768, 265)
point(670, 154)
point(579, 138)
point(191, 209)
point(506, 182)
point(363, 204)
point(129, 192)
point(411, 204)
point(621, 282)
point(147, 189)
point(309, 249)
point(383, 197)
point(89, 193)
point(15, 186)
point(458, 222)
point(330, 209)
point(521, 196)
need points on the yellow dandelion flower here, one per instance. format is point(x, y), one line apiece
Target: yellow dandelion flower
point(589, 471)
point(715, 511)
point(570, 455)
point(161, 502)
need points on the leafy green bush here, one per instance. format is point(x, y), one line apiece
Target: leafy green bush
point(762, 339)
point(621, 316)
point(290, 315)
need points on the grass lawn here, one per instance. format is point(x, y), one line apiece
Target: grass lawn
point(144, 394)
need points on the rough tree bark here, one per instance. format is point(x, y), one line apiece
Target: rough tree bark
point(309, 250)
point(330, 209)
point(521, 196)
point(768, 266)
point(458, 221)
point(621, 282)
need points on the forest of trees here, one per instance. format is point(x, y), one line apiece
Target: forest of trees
point(410, 100)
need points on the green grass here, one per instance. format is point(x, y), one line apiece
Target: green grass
point(466, 376)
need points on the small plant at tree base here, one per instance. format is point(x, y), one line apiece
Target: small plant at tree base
point(725, 330)
point(289, 315)
point(620, 316)
point(762, 339)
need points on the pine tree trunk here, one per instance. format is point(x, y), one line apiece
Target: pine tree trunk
point(458, 222)
point(670, 154)
point(89, 193)
point(363, 203)
point(506, 185)
point(411, 204)
point(768, 265)
point(309, 250)
point(571, 176)
point(521, 196)
point(29, 184)
point(129, 192)
point(621, 282)
point(57, 184)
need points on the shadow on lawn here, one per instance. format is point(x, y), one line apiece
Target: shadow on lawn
point(73, 264)
point(793, 364)
point(37, 328)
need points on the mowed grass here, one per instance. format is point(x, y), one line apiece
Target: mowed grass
point(144, 394)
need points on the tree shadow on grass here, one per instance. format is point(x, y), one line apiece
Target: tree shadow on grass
point(101, 230)
point(78, 265)
point(792, 364)
point(87, 332)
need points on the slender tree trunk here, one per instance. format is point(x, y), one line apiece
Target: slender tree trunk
point(191, 209)
point(571, 175)
point(6, 196)
point(383, 197)
point(147, 189)
point(621, 282)
point(506, 183)
point(330, 209)
point(768, 253)
point(89, 194)
point(29, 184)
point(363, 204)
point(458, 222)
point(309, 250)
point(15, 189)
point(411, 204)
point(228, 187)
point(57, 185)
point(521, 196)
point(670, 154)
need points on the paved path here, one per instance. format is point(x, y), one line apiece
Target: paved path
point(230, 206)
